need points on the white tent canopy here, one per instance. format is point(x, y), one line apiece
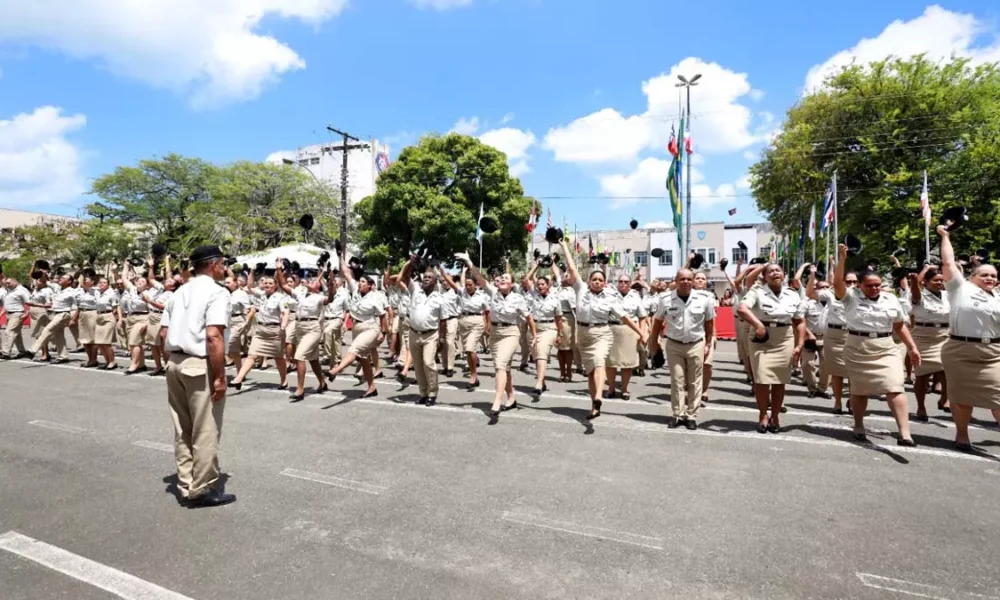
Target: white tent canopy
point(306, 255)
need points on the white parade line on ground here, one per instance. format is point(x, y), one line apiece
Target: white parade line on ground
point(111, 580)
point(57, 426)
point(356, 486)
point(917, 590)
point(154, 446)
point(585, 530)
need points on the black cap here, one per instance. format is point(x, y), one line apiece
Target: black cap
point(758, 260)
point(42, 264)
point(488, 225)
point(983, 253)
point(159, 250)
point(337, 247)
point(203, 253)
point(901, 272)
point(553, 235)
point(324, 257)
point(741, 245)
point(656, 252)
point(956, 215)
point(306, 222)
point(633, 224)
point(537, 253)
point(546, 262)
point(854, 245)
point(873, 262)
point(697, 260)
point(603, 258)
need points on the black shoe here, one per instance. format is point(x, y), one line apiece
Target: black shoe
point(6, 357)
point(422, 400)
point(134, 371)
point(860, 437)
point(761, 428)
point(210, 499)
point(810, 394)
point(537, 393)
point(473, 385)
point(494, 417)
point(379, 375)
point(449, 373)
point(297, 397)
point(772, 428)
point(922, 418)
point(823, 395)
point(237, 385)
point(523, 368)
point(283, 387)
point(906, 443)
point(25, 354)
point(674, 423)
point(431, 401)
point(60, 361)
point(157, 373)
point(370, 394)
point(783, 410)
point(691, 424)
point(963, 447)
point(596, 410)
point(507, 407)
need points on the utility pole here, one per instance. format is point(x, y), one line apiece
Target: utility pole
point(687, 83)
point(347, 147)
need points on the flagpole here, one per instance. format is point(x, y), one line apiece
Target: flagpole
point(836, 215)
point(812, 231)
point(828, 248)
point(927, 224)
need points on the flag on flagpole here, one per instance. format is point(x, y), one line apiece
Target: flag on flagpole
point(672, 144)
point(479, 225)
point(532, 218)
point(687, 140)
point(827, 208)
point(802, 235)
point(925, 202)
point(590, 244)
point(812, 223)
point(774, 250)
point(673, 189)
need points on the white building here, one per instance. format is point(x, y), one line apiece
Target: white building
point(365, 160)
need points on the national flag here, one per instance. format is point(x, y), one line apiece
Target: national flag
point(673, 188)
point(672, 144)
point(382, 160)
point(925, 202)
point(590, 244)
point(687, 141)
point(827, 208)
point(479, 224)
point(812, 223)
point(732, 212)
point(532, 218)
point(802, 235)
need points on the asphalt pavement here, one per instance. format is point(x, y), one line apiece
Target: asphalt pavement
point(343, 497)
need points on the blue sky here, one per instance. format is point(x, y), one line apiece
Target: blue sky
point(579, 94)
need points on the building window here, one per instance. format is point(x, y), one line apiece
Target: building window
point(667, 258)
point(765, 251)
point(740, 254)
point(711, 257)
point(642, 258)
point(314, 161)
point(304, 162)
point(707, 253)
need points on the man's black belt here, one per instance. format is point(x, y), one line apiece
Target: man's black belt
point(592, 324)
point(303, 320)
point(870, 334)
point(962, 338)
point(933, 325)
point(539, 321)
point(832, 326)
point(684, 343)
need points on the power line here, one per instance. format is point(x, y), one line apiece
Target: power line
point(845, 191)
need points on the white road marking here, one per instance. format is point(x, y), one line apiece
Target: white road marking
point(357, 486)
point(585, 530)
point(154, 446)
point(57, 426)
point(917, 590)
point(83, 569)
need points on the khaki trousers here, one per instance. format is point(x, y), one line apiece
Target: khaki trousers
point(814, 368)
point(423, 349)
point(450, 344)
point(14, 340)
point(54, 332)
point(686, 362)
point(333, 339)
point(197, 423)
point(525, 338)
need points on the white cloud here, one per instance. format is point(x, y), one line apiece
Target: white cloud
point(750, 154)
point(210, 51)
point(507, 118)
point(720, 124)
point(756, 95)
point(938, 33)
point(277, 157)
point(440, 4)
point(657, 225)
point(743, 183)
point(514, 143)
point(648, 179)
point(466, 126)
point(38, 165)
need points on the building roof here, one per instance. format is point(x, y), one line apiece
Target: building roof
point(11, 218)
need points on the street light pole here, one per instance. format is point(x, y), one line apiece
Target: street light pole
point(686, 83)
point(343, 180)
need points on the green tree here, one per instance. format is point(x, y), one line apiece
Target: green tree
point(879, 127)
point(432, 194)
point(70, 244)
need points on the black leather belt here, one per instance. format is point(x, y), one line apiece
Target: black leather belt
point(933, 325)
point(773, 324)
point(419, 331)
point(87, 309)
point(237, 315)
point(449, 318)
point(301, 320)
point(832, 326)
point(592, 324)
point(59, 312)
point(870, 334)
point(962, 338)
point(137, 314)
point(104, 312)
point(472, 314)
point(542, 322)
point(156, 312)
point(683, 343)
point(614, 322)
point(501, 324)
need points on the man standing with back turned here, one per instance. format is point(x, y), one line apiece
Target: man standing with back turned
point(194, 329)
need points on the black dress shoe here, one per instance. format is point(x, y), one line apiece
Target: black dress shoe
point(761, 428)
point(210, 499)
point(860, 437)
point(473, 385)
point(922, 418)
point(963, 447)
point(691, 424)
point(60, 361)
point(810, 394)
point(422, 400)
point(297, 397)
point(596, 411)
point(507, 407)
point(283, 387)
point(449, 373)
point(494, 417)
point(906, 443)
point(431, 401)
point(370, 394)
point(674, 423)
point(772, 428)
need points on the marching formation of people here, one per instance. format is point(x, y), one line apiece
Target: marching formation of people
point(852, 333)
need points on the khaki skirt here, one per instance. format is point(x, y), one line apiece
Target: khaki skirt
point(237, 331)
point(595, 347)
point(929, 341)
point(973, 371)
point(504, 341)
point(741, 340)
point(310, 334)
point(87, 326)
point(365, 336)
point(470, 332)
point(135, 329)
point(153, 329)
point(292, 332)
point(772, 360)
point(267, 342)
point(39, 319)
point(567, 332)
point(545, 340)
point(404, 334)
point(624, 349)
point(833, 352)
point(874, 365)
point(104, 328)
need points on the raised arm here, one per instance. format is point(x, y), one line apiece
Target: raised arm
point(915, 285)
point(472, 269)
point(796, 283)
point(948, 264)
point(279, 277)
point(346, 271)
point(447, 279)
point(811, 286)
point(574, 274)
point(839, 287)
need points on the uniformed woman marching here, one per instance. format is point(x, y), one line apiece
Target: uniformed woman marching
point(872, 359)
point(507, 308)
point(474, 304)
point(625, 342)
point(368, 313)
point(971, 356)
point(594, 309)
point(309, 325)
point(546, 309)
point(568, 349)
point(269, 335)
point(931, 314)
point(86, 301)
point(106, 303)
point(777, 336)
point(832, 360)
point(242, 311)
